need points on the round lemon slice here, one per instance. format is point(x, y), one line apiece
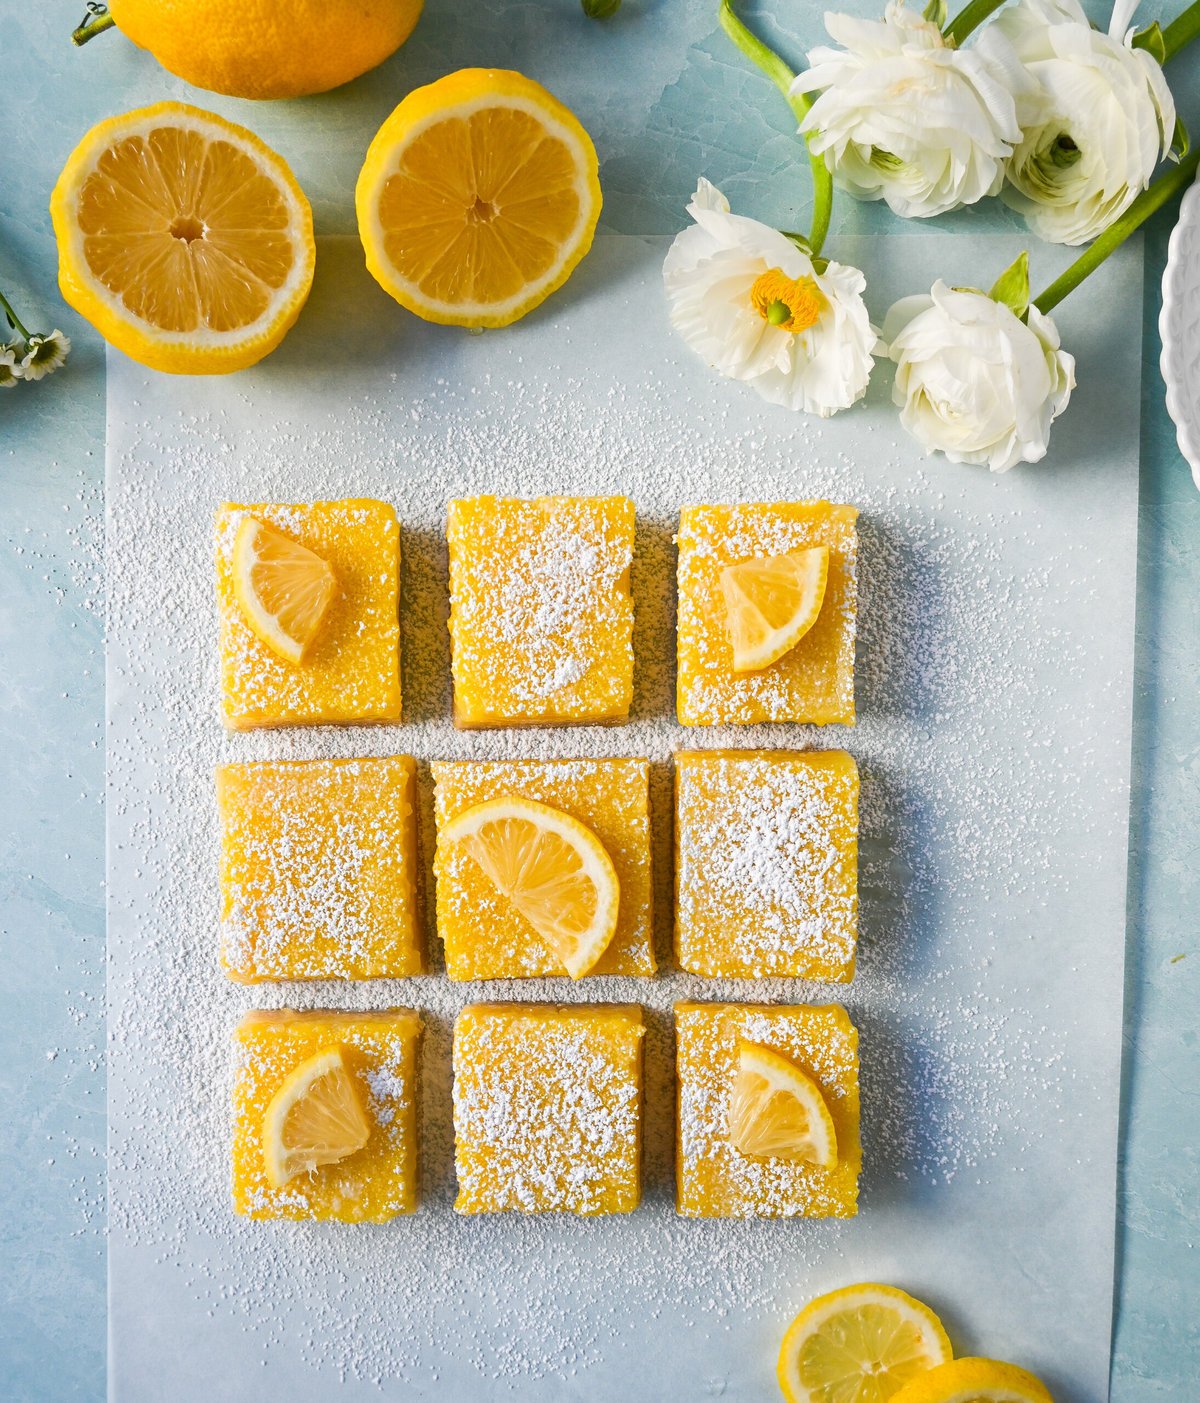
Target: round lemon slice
point(283, 589)
point(771, 602)
point(551, 867)
point(477, 198)
point(183, 239)
point(974, 1381)
point(316, 1117)
point(777, 1112)
point(859, 1345)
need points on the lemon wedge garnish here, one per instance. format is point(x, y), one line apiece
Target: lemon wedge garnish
point(553, 870)
point(477, 198)
point(183, 239)
point(316, 1117)
point(771, 602)
point(859, 1345)
point(777, 1112)
point(283, 589)
point(974, 1381)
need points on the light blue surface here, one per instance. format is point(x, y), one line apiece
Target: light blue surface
point(666, 98)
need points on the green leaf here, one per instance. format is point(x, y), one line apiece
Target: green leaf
point(1012, 287)
point(1151, 39)
point(600, 9)
point(935, 12)
point(1180, 141)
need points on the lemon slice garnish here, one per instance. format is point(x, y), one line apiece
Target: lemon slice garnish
point(477, 198)
point(283, 589)
point(777, 1112)
point(316, 1117)
point(553, 870)
point(771, 602)
point(183, 239)
point(859, 1345)
point(974, 1381)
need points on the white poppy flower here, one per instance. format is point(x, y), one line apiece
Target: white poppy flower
point(905, 117)
point(1109, 119)
point(44, 355)
point(975, 382)
point(10, 369)
point(758, 309)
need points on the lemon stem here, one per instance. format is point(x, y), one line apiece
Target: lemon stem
point(969, 18)
point(1163, 189)
point(96, 21)
point(781, 75)
point(13, 320)
point(1182, 30)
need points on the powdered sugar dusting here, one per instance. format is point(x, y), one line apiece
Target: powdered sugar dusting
point(970, 599)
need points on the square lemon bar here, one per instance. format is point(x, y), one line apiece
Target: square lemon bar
point(814, 680)
point(376, 1182)
point(713, 1179)
point(318, 869)
point(483, 935)
point(541, 615)
point(766, 863)
point(548, 1108)
point(352, 672)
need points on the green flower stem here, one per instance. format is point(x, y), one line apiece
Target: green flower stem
point(1163, 190)
point(6, 307)
point(96, 21)
point(1182, 30)
point(781, 75)
point(969, 18)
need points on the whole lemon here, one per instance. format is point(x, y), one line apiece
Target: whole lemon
point(267, 48)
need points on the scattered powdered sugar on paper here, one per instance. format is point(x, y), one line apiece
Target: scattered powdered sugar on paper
point(962, 777)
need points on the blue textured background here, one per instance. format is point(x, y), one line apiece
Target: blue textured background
point(666, 98)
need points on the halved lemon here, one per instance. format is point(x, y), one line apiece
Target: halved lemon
point(777, 1112)
point(552, 868)
point(316, 1117)
point(183, 239)
point(771, 602)
point(975, 1381)
point(284, 589)
point(477, 198)
point(859, 1345)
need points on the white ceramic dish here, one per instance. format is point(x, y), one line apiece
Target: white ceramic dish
point(1179, 327)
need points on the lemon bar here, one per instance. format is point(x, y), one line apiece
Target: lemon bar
point(814, 680)
point(541, 615)
point(377, 1182)
point(318, 869)
point(713, 1179)
point(483, 935)
point(352, 671)
point(548, 1108)
point(766, 863)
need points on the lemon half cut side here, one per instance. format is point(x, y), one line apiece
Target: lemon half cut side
point(478, 197)
point(183, 239)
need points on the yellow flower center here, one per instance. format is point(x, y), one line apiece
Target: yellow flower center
point(792, 304)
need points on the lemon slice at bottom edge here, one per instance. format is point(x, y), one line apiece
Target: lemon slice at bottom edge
point(974, 1381)
point(860, 1344)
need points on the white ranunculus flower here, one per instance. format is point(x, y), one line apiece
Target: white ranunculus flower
point(758, 309)
point(10, 367)
point(975, 382)
point(1108, 121)
point(904, 117)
